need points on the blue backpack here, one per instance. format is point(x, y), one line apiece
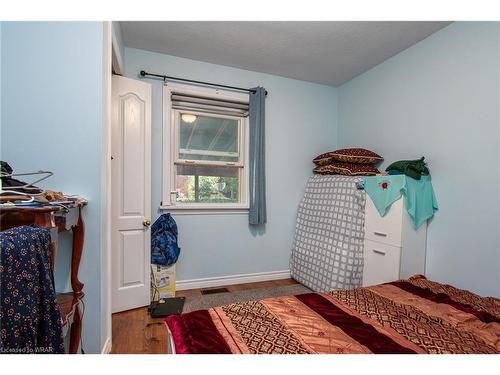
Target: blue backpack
point(164, 247)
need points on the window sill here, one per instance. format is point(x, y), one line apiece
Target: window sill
point(203, 210)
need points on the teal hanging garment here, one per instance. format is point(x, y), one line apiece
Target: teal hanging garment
point(384, 191)
point(420, 200)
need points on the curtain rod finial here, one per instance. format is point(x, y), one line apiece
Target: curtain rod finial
point(142, 73)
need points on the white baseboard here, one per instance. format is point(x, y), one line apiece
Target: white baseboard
point(231, 280)
point(106, 348)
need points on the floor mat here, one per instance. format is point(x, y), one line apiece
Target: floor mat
point(221, 299)
point(214, 291)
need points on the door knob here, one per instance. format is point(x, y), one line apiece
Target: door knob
point(146, 222)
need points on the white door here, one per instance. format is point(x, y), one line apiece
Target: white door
point(131, 193)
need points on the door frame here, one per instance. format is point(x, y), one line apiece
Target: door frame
point(105, 323)
point(111, 60)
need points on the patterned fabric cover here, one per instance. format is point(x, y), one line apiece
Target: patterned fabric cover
point(327, 251)
point(357, 155)
point(347, 169)
point(324, 159)
point(30, 321)
point(402, 317)
point(348, 155)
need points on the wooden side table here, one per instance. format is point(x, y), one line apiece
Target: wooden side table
point(58, 219)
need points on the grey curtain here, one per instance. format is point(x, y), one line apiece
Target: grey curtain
point(257, 214)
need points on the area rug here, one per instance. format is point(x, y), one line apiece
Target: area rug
point(221, 299)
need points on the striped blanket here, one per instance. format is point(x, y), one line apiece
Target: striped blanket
point(406, 316)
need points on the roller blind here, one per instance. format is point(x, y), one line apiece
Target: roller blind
point(209, 105)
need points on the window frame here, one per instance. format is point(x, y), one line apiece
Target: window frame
point(170, 147)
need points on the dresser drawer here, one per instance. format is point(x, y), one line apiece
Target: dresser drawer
point(385, 229)
point(381, 263)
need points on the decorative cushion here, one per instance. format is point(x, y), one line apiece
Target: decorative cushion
point(324, 159)
point(348, 155)
point(347, 169)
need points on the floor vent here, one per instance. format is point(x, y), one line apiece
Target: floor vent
point(214, 291)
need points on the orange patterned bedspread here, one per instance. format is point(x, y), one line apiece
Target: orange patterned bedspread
point(406, 316)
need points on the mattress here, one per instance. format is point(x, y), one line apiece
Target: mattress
point(327, 250)
point(409, 316)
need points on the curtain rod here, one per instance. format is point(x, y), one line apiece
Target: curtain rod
point(165, 77)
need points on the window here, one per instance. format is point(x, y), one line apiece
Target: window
point(206, 153)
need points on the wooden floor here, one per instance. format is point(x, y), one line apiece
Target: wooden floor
point(135, 332)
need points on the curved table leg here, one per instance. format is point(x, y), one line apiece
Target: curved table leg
point(76, 332)
point(78, 235)
point(76, 284)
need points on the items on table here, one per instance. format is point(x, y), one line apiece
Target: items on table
point(19, 193)
point(348, 162)
point(11, 184)
point(54, 196)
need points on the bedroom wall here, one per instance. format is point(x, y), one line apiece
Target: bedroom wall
point(1, 25)
point(51, 120)
point(301, 122)
point(440, 99)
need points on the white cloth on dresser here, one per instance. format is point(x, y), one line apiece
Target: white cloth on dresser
point(327, 251)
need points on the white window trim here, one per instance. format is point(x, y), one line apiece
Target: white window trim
point(169, 157)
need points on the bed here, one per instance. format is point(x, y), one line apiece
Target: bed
point(409, 316)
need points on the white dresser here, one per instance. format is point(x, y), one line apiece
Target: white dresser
point(393, 249)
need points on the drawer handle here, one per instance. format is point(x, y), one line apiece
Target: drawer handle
point(381, 234)
point(381, 252)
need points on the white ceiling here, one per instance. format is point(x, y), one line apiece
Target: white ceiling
point(330, 53)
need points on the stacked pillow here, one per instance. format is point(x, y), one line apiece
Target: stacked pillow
point(348, 162)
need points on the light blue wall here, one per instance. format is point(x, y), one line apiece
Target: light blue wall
point(441, 99)
point(51, 120)
point(301, 122)
point(1, 26)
